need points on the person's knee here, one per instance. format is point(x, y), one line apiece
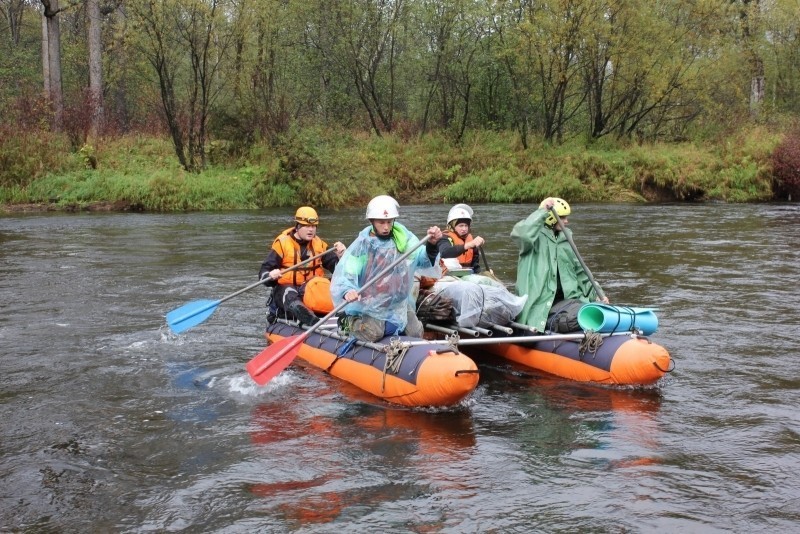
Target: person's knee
point(367, 329)
point(290, 295)
point(414, 327)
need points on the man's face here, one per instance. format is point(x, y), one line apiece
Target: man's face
point(306, 232)
point(382, 227)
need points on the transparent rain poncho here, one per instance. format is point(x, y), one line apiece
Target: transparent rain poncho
point(390, 297)
point(479, 300)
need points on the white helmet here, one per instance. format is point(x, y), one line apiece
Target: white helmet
point(459, 211)
point(382, 207)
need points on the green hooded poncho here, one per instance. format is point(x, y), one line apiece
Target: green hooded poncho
point(542, 254)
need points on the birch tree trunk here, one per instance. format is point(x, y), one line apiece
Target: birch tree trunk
point(54, 89)
point(95, 69)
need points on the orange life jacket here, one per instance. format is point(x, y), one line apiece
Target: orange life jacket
point(288, 249)
point(466, 258)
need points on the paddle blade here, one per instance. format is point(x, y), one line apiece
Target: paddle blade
point(274, 359)
point(189, 315)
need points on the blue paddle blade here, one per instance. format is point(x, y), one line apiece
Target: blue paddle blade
point(192, 314)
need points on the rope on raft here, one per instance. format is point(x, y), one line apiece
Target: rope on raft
point(395, 352)
point(669, 369)
point(591, 342)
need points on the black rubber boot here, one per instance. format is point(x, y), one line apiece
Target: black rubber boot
point(303, 314)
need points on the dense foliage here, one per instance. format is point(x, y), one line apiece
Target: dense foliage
point(233, 84)
point(786, 166)
point(335, 168)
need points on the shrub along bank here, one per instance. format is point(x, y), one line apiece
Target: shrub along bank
point(332, 169)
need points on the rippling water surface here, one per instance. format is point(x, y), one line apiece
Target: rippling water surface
point(110, 423)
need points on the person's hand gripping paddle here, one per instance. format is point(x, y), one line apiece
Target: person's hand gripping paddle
point(275, 358)
point(597, 287)
point(195, 312)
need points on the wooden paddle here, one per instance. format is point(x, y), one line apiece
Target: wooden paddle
point(194, 313)
point(597, 287)
point(486, 263)
point(275, 358)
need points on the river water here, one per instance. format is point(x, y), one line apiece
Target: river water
point(112, 424)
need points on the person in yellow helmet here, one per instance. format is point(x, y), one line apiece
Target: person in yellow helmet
point(289, 248)
point(548, 271)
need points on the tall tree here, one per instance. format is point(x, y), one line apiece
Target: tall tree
point(641, 65)
point(121, 67)
point(95, 67)
point(370, 33)
point(186, 43)
point(51, 52)
point(453, 32)
point(12, 11)
point(505, 20)
point(753, 35)
point(552, 35)
point(783, 27)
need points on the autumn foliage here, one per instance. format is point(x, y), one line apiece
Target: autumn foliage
point(786, 165)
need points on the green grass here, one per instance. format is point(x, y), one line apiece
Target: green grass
point(334, 168)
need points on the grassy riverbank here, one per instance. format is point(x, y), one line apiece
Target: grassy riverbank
point(330, 169)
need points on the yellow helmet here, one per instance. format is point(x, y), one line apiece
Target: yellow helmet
point(306, 216)
point(562, 208)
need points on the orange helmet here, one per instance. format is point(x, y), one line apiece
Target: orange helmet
point(306, 216)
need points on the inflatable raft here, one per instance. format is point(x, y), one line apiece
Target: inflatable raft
point(621, 359)
point(418, 374)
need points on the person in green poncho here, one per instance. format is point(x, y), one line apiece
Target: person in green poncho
point(549, 272)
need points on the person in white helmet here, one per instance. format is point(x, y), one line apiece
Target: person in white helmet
point(387, 307)
point(548, 270)
point(459, 242)
point(289, 248)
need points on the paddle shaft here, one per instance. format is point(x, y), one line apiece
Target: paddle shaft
point(195, 312)
point(480, 341)
point(511, 339)
point(597, 287)
point(485, 261)
point(299, 339)
point(286, 270)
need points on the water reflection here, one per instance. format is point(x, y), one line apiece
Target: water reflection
point(403, 446)
point(609, 427)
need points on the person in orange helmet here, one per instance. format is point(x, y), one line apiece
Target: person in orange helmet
point(289, 248)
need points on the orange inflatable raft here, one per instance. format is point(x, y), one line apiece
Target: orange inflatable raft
point(623, 359)
point(422, 374)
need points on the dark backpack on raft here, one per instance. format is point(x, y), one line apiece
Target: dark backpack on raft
point(563, 316)
point(435, 308)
